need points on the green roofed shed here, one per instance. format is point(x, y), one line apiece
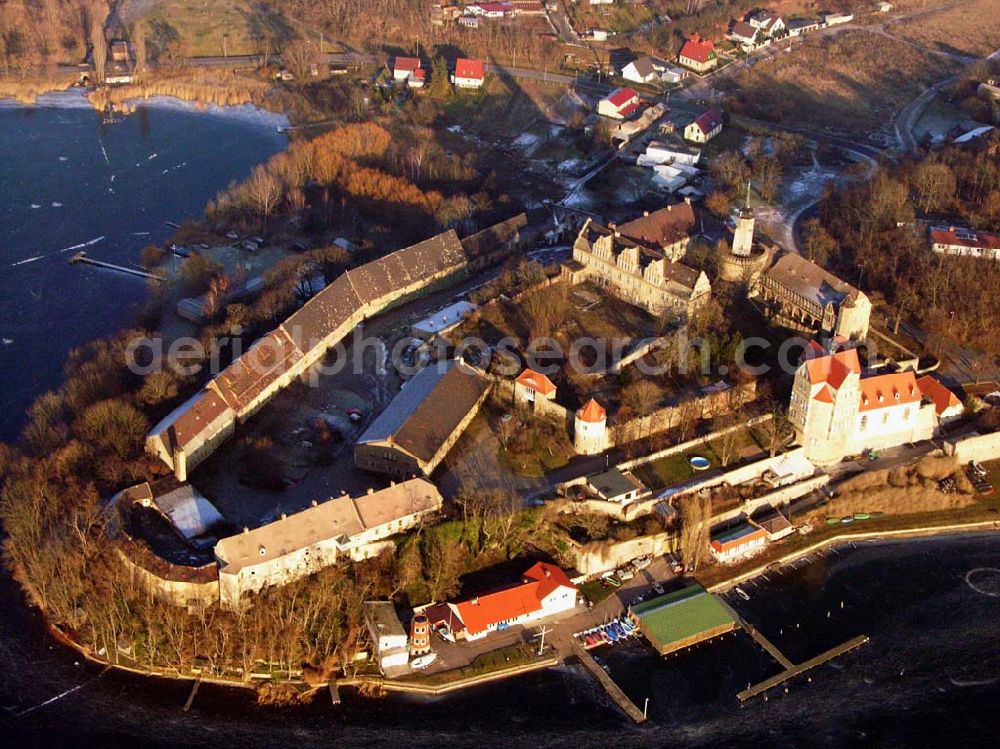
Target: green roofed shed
point(682, 618)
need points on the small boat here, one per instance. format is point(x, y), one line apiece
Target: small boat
point(847, 519)
point(610, 632)
point(423, 661)
point(833, 521)
point(589, 640)
point(876, 514)
point(617, 629)
point(742, 594)
point(605, 637)
point(628, 626)
point(861, 516)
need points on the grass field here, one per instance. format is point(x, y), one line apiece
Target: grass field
point(970, 28)
point(676, 468)
point(853, 83)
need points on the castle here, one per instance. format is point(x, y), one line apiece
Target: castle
point(638, 272)
point(836, 411)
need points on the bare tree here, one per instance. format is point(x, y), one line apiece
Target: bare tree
point(139, 48)
point(100, 47)
point(264, 192)
point(696, 514)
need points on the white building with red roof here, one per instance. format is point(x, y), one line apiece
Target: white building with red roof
point(946, 403)
point(698, 54)
point(704, 127)
point(531, 385)
point(837, 412)
point(404, 67)
point(590, 429)
point(619, 104)
point(544, 591)
point(469, 73)
point(959, 241)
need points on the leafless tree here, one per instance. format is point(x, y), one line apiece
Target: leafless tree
point(100, 47)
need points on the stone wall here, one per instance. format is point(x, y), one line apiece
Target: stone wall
point(703, 407)
point(977, 447)
point(598, 556)
point(201, 591)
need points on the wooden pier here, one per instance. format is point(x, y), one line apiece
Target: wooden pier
point(793, 671)
point(81, 257)
point(194, 692)
point(334, 692)
point(613, 690)
point(769, 646)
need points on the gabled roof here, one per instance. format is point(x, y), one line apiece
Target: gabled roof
point(264, 363)
point(622, 96)
point(422, 417)
point(743, 30)
point(810, 281)
point(735, 536)
point(481, 612)
point(663, 227)
point(592, 412)
point(941, 396)
point(887, 390)
point(466, 68)
point(643, 67)
point(698, 49)
point(709, 121)
point(494, 237)
point(536, 381)
point(966, 238)
point(407, 63)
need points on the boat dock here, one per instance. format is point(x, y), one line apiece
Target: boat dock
point(81, 257)
point(793, 671)
point(614, 691)
point(769, 646)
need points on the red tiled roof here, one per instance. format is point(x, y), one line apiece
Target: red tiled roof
point(663, 227)
point(743, 29)
point(942, 397)
point(593, 412)
point(536, 381)
point(888, 390)
point(833, 369)
point(466, 68)
point(708, 121)
point(620, 97)
point(630, 109)
point(407, 63)
point(419, 74)
point(972, 239)
point(698, 49)
point(480, 613)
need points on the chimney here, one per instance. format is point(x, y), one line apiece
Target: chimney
point(645, 214)
point(548, 572)
point(314, 503)
point(687, 199)
point(617, 233)
point(284, 516)
point(370, 491)
point(475, 601)
point(245, 529)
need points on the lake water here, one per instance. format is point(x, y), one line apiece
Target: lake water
point(69, 182)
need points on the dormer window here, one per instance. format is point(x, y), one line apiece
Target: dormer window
point(262, 550)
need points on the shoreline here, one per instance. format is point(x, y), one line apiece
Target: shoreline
point(954, 530)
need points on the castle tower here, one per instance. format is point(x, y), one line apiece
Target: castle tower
point(743, 236)
point(420, 635)
point(590, 429)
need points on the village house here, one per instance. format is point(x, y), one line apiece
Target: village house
point(965, 242)
point(737, 542)
point(636, 273)
point(836, 411)
point(705, 127)
point(744, 34)
point(672, 151)
point(390, 644)
point(469, 22)
point(810, 297)
point(544, 591)
point(415, 432)
point(469, 73)
point(801, 26)
point(190, 514)
point(404, 67)
point(698, 54)
point(531, 385)
point(650, 70)
point(836, 19)
point(339, 529)
point(619, 104)
point(766, 21)
point(489, 10)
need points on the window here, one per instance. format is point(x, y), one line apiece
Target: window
point(864, 423)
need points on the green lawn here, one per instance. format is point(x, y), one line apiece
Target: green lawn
point(676, 468)
point(520, 654)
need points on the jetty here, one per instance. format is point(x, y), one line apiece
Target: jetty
point(81, 257)
point(614, 691)
point(791, 673)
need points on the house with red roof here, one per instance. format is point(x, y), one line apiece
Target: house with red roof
point(531, 385)
point(544, 590)
point(404, 67)
point(698, 54)
point(705, 127)
point(953, 240)
point(469, 73)
point(946, 403)
point(837, 411)
point(619, 104)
